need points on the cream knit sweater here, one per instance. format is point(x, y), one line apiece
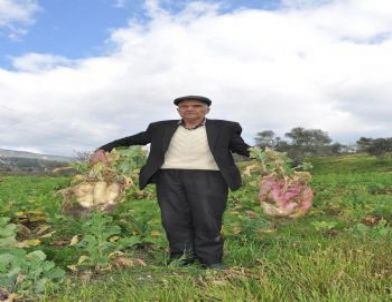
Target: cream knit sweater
point(189, 149)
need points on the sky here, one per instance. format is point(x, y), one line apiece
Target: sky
point(77, 74)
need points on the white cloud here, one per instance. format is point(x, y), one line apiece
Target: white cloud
point(36, 62)
point(301, 4)
point(15, 15)
point(303, 66)
point(120, 3)
point(357, 20)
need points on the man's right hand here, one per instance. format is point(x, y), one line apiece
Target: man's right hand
point(97, 156)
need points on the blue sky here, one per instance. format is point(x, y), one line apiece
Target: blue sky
point(76, 74)
point(72, 28)
point(80, 28)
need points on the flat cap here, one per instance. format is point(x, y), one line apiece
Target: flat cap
point(199, 98)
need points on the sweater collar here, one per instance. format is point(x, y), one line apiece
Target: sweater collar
point(201, 124)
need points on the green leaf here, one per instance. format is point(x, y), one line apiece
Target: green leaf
point(128, 242)
point(55, 274)
point(40, 285)
point(14, 272)
point(8, 230)
point(4, 221)
point(5, 260)
point(383, 232)
point(47, 266)
point(37, 255)
point(324, 225)
point(7, 242)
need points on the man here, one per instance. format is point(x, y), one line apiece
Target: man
point(191, 163)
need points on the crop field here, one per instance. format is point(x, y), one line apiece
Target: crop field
point(340, 251)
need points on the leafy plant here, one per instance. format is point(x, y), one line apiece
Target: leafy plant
point(380, 230)
point(7, 233)
point(324, 225)
point(103, 185)
point(284, 192)
point(22, 272)
point(140, 227)
point(100, 241)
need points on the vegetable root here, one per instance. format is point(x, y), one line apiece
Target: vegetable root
point(285, 197)
point(90, 196)
point(284, 192)
point(101, 186)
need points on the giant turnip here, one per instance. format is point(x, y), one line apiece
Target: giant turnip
point(284, 192)
point(102, 184)
point(84, 193)
point(100, 192)
point(112, 192)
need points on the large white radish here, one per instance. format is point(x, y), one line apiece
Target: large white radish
point(99, 192)
point(84, 194)
point(113, 192)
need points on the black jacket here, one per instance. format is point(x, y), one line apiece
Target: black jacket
point(223, 137)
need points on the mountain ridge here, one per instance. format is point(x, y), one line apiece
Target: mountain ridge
point(7, 154)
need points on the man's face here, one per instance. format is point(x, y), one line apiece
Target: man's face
point(192, 110)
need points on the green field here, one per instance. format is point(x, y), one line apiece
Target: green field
point(340, 251)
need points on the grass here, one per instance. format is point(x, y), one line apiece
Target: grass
point(342, 271)
point(341, 251)
point(355, 163)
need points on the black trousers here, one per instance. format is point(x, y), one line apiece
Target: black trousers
point(192, 203)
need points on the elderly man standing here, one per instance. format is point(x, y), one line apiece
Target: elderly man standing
point(191, 162)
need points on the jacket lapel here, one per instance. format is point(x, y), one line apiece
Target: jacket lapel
point(168, 134)
point(212, 133)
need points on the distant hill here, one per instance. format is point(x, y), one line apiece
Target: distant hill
point(23, 154)
point(12, 161)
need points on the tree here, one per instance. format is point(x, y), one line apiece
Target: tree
point(308, 137)
point(307, 142)
point(364, 143)
point(265, 138)
point(337, 148)
point(302, 143)
point(377, 147)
